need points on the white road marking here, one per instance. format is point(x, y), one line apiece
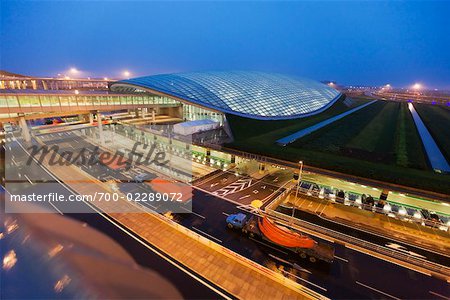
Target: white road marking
point(57, 209)
point(439, 295)
point(340, 258)
point(174, 263)
point(309, 282)
point(192, 212)
point(225, 214)
point(29, 180)
point(403, 249)
point(295, 266)
point(208, 235)
point(376, 290)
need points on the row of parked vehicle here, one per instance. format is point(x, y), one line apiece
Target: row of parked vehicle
point(378, 205)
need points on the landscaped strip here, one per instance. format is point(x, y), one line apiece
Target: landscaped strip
point(299, 134)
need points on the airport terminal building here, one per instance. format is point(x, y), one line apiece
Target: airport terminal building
point(167, 99)
point(254, 95)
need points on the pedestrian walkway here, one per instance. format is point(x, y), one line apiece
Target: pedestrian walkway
point(434, 154)
point(299, 134)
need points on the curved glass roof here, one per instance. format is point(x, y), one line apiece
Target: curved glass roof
point(254, 95)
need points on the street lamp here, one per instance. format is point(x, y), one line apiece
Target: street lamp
point(126, 74)
point(256, 204)
point(300, 170)
point(417, 86)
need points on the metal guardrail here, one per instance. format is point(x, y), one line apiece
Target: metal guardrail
point(419, 262)
point(213, 245)
point(288, 283)
point(373, 208)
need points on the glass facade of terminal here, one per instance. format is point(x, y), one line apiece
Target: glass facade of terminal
point(10, 104)
point(250, 94)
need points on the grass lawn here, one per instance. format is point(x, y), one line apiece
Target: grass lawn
point(437, 120)
point(378, 136)
point(345, 136)
point(349, 145)
point(409, 144)
point(248, 128)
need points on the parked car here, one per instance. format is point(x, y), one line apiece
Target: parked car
point(144, 177)
point(329, 193)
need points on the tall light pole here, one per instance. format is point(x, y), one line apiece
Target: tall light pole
point(417, 87)
point(300, 170)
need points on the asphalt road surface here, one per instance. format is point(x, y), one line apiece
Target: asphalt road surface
point(190, 284)
point(352, 274)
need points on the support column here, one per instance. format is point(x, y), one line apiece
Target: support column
point(180, 112)
point(233, 161)
point(91, 118)
point(25, 130)
point(100, 129)
point(208, 156)
point(144, 112)
point(153, 115)
point(136, 112)
point(261, 168)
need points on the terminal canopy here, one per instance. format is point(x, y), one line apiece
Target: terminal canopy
point(254, 95)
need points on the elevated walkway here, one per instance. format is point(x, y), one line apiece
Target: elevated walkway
point(434, 154)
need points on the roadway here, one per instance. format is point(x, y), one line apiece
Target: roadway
point(352, 275)
point(190, 284)
point(349, 276)
point(323, 174)
point(227, 181)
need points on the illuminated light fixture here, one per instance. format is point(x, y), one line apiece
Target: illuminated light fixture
point(417, 86)
point(9, 260)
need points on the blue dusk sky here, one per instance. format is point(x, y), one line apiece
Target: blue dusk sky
point(355, 42)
